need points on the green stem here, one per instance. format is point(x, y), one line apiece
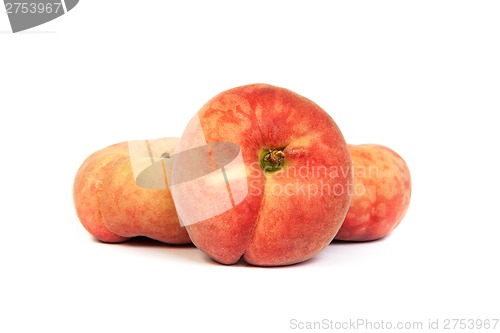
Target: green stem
point(272, 160)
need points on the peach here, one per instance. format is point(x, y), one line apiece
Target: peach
point(122, 191)
point(261, 173)
point(380, 194)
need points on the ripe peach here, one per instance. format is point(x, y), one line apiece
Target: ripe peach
point(380, 194)
point(261, 173)
point(122, 191)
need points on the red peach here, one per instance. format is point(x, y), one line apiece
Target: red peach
point(246, 182)
point(381, 193)
point(118, 195)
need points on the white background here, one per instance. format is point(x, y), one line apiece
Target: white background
point(420, 77)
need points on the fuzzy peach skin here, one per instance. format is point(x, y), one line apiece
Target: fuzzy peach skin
point(289, 215)
point(380, 194)
point(113, 207)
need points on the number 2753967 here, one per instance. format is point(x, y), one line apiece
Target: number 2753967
point(33, 7)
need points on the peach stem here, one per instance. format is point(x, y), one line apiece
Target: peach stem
point(272, 160)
